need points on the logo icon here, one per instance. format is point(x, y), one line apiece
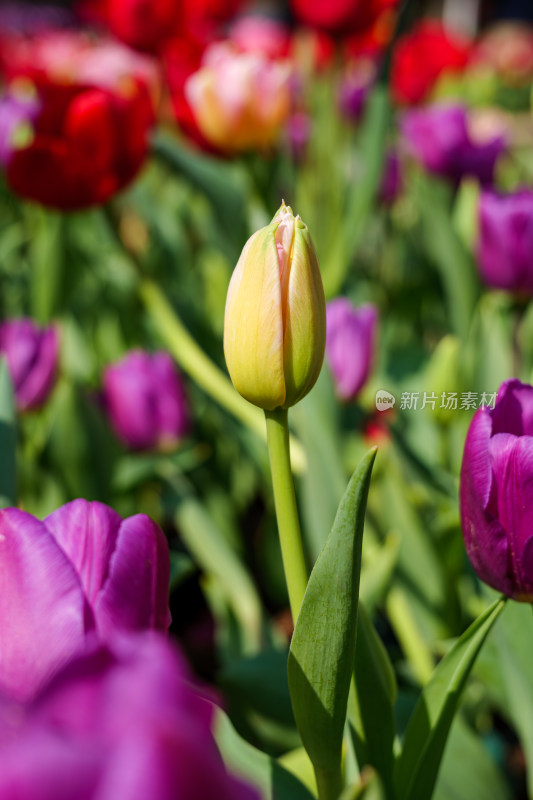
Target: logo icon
point(384, 400)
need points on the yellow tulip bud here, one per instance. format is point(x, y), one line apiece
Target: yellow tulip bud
point(275, 323)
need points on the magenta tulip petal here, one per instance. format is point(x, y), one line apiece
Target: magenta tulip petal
point(171, 410)
point(87, 533)
point(350, 344)
point(146, 401)
point(438, 138)
point(129, 717)
point(44, 616)
point(512, 464)
point(44, 766)
point(32, 356)
point(485, 538)
point(496, 491)
point(135, 594)
point(505, 245)
point(38, 381)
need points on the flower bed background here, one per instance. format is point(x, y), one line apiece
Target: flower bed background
point(141, 144)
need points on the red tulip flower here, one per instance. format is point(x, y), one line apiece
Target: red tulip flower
point(341, 17)
point(422, 56)
point(90, 137)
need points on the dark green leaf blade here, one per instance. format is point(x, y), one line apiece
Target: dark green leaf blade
point(372, 719)
point(425, 739)
point(323, 645)
point(273, 781)
point(7, 438)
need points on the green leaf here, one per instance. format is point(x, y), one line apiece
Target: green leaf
point(215, 556)
point(260, 682)
point(446, 250)
point(262, 771)
point(372, 720)
point(468, 771)
point(323, 645)
point(371, 154)
point(515, 640)
point(47, 256)
point(323, 483)
point(425, 739)
point(218, 181)
point(7, 438)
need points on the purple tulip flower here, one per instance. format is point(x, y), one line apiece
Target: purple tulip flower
point(32, 358)
point(495, 495)
point(505, 245)
point(119, 722)
point(146, 401)
point(82, 570)
point(350, 343)
point(438, 138)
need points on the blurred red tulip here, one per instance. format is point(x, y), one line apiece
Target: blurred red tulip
point(422, 56)
point(90, 137)
point(341, 17)
point(149, 24)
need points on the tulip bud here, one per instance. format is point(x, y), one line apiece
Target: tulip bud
point(275, 323)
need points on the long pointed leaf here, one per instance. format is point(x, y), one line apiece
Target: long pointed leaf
point(372, 720)
point(427, 732)
point(323, 645)
point(273, 780)
point(7, 439)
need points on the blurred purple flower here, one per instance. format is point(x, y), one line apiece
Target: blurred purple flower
point(17, 112)
point(439, 138)
point(83, 569)
point(350, 344)
point(355, 87)
point(119, 722)
point(391, 181)
point(28, 18)
point(298, 130)
point(495, 493)
point(505, 245)
point(32, 357)
point(146, 401)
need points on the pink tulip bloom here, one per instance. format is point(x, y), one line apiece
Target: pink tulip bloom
point(81, 571)
point(240, 101)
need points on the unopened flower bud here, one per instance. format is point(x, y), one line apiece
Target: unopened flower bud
point(275, 324)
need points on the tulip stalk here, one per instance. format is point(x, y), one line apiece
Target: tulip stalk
point(286, 510)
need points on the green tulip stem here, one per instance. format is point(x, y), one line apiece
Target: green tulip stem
point(286, 511)
point(329, 783)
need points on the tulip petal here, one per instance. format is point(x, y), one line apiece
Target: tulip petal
point(135, 593)
point(513, 412)
point(87, 533)
point(253, 328)
point(43, 612)
point(305, 319)
point(45, 766)
point(484, 535)
point(512, 464)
